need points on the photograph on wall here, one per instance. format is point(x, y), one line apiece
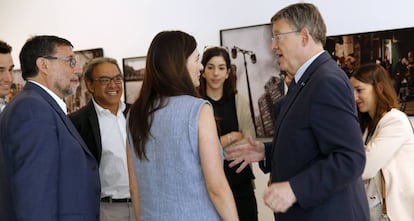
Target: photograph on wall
point(17, 84)
point(133, 76)
point(82, 96)
point(261, 82)
point(257, 71)
point(393, 49)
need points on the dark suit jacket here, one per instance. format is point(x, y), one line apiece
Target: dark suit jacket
point(46, 171)
point(86, 122)
point(263, 165)
point(317, 147)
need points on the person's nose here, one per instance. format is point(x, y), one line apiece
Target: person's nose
point(216, 71)
point(8, 76)
point(356, 95)
point(274, 45)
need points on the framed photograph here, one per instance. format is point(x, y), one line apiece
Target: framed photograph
point(393, 49)
point(82, 96)
point(133, 75)
point(73, 102)
point(257, 71)
point(17, 85)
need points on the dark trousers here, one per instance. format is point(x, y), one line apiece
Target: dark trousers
point(246, 202)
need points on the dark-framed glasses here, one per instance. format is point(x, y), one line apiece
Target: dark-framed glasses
point(277, 37)
point(71, 60)
point(106, 80)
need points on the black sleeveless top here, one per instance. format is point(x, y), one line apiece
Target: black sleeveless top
point(226, 119)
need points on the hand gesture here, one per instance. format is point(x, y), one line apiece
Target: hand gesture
point(253, 151)
point(279, 197)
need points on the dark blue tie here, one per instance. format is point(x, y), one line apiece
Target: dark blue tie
point(291, 85)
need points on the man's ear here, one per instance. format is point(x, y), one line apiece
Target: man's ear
point(305, 35)
point(42, 65)
point(88, 84)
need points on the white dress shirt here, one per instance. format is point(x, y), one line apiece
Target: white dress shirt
point(2, 104)
point(113, 167)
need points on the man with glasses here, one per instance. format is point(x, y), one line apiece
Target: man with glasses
point(6, 68)
point(316, 157)
point(46, 170)
point(102, 125)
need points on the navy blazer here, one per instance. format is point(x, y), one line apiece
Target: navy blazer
point(46, 171)
point(87, 123)
point(317, 147)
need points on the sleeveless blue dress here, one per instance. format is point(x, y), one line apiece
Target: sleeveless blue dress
point(171, 183)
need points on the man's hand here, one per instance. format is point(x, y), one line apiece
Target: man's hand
point(253, 151)
point(279, 197)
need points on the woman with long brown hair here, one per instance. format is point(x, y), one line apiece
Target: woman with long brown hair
point(389, 145)
point(235, 124)
point(177, 156)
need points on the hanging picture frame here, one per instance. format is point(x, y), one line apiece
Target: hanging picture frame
point(388, 48)
point(258, 77)
point(82, 96)
point(17, 84)
point(133, 68)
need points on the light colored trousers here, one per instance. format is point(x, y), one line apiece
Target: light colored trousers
point(116, 212)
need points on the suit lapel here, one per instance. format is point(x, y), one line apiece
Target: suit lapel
point(93, 121)
point(292, 96)
point(62, 115)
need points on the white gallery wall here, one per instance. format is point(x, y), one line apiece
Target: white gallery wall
point(124, 28)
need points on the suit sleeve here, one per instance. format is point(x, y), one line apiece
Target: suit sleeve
point(336, 132)
point(36, 157)
point(265, 165)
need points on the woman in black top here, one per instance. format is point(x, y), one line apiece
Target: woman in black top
point(218, 85)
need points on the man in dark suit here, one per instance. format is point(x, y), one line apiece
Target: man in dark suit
point(102, 125)
point(316, 157)
point(46, 170)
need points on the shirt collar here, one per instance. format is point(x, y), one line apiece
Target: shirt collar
point(100, 110)
point(59, 101)
point(305, 66)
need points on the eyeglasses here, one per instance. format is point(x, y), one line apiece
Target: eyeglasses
point(71, 60)
point(276, 37)
point(106, 80)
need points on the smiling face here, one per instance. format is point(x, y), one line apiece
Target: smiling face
point(194, 66)
point(365, 96)
point(6, 78)
point(106, 95)
point(287, 46)
point(215, 73)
